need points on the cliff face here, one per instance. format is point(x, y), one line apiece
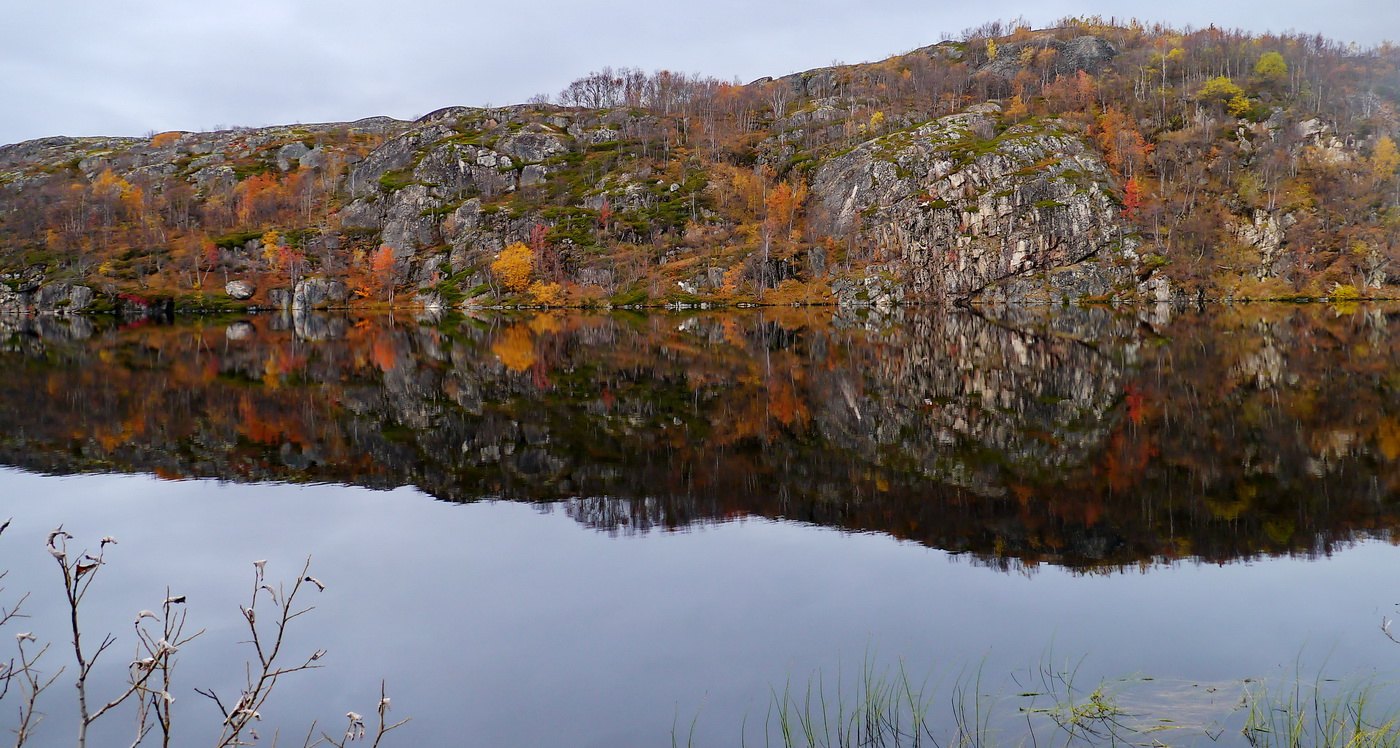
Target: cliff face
point(965, 208)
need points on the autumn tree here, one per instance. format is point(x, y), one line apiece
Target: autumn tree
point(258, 199)
point(1271, 69)
point(1132, 198)
point(1385, 159)
point(546, 257)
point(547, 294)
point(779, 95)
point(1223, 92)
point(514, 266)
point(197, 256)
point(782, 204)
point(383, 271)
point(281, 257)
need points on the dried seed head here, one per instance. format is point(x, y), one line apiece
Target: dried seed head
point(52, 543)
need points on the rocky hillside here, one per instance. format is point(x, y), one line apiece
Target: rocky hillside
point(1087, 162)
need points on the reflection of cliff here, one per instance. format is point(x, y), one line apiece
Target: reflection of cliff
point(1077, 437)
point(970, 399)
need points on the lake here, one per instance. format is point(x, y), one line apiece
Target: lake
point(629, 528)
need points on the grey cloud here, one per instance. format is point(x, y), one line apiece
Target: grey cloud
point(81, 67)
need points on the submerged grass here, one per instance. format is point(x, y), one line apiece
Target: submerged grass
point(1322, 712)
point(885, 708)
point(889, 707)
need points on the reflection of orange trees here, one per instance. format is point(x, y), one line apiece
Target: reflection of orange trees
point(1388, 438)
point(514, 266)
point(279, 363)
point(785, 402)
point(1128, 456)
point(268, 423)
point(515, 348)
point(192, 372)
point(384, 352)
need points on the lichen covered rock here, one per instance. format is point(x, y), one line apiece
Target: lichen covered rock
point(240, 290)
point(968, 212)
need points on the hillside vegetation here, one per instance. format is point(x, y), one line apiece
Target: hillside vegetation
point(1091, 161)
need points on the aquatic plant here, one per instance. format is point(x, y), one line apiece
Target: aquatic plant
point(889, 708)
point(1321, 712)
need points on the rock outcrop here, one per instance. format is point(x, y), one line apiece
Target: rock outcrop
point(1090, 54)
point(966, 211)
point(313, 293)
point(52, 298)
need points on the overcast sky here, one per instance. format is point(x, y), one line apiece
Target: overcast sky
point(79, 67)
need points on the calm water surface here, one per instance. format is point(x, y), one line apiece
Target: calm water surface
point(581, 530)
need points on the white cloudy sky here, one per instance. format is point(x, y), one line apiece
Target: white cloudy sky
point(79, 67)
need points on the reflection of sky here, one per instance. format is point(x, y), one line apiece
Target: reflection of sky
point(502, 625)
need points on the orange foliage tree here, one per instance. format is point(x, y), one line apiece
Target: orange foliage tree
point(1132, 198)
point(383, 271)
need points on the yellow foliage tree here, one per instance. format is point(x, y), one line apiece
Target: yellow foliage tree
point(1271, 66)
point(1237, 106)
point(514, 266)
point(1018, 109)
point(548, 294)
point(1385, 158)
point(271, 240)
point(1220, 89)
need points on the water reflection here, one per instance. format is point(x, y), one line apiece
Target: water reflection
point(1088, 438)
